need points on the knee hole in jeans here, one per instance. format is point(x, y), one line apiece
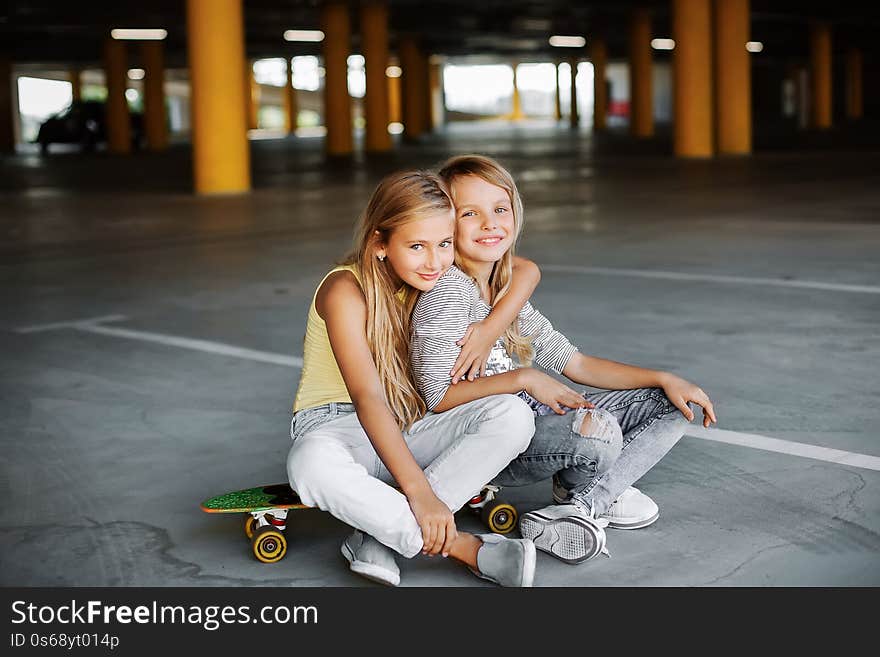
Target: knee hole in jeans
point(596, 423)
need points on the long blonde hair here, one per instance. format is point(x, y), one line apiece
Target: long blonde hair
point(398, 199)
point(493, 173)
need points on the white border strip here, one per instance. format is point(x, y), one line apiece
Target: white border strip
point(768, 444)
point(709, 278)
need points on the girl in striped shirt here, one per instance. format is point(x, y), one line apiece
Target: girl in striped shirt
point(594, 446)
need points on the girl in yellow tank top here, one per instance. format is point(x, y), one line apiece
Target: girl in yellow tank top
point(363, 448)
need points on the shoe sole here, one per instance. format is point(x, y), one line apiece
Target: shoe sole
point(369, 571)
point(571, 540)
point(635, 524)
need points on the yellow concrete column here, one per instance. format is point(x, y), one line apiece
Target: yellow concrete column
point(599, 56)
point(516, 114)
point(435, 95)
point(820, 59)
point(291, 106)
point(692, 78)
point(337, 103)
point(7, 125)
point(221, 156)
point(425, 67)
point(733, 78)
point(573, 106)
point(395, 111)
point(374, 37)
point(117, 116)
point(155, 118)
point(641, 105)
point(412, 85)
point(854, 100)
point(76, 83)
point(558, 106)
point(251, 96)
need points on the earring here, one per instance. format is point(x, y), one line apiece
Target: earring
point(381, 258)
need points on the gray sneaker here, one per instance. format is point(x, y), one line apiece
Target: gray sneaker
point(506, 561)
point(565, 531)
point(371, 559)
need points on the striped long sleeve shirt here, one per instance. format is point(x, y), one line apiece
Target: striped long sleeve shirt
point(441, 317)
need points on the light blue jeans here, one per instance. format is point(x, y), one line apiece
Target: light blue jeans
point(597, 469)
point(332, 464)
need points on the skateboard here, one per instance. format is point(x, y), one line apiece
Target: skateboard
point(267, 508)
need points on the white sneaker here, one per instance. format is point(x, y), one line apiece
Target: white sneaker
point(506, 561)
point(371, 559)
point(631, 510)
point(565, 531)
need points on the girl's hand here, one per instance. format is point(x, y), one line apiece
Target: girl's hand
point(553, 393)
point(476, 345)
point(435, 520)
point(680, 392)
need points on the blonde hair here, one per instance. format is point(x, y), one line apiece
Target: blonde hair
point(398, 199)
point(493, 173)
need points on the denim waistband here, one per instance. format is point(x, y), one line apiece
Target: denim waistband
point(311, 418)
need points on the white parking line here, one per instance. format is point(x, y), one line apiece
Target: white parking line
point(72, 323)
point(754, 441)
point(94, 325)
point(709, 278)
point(786, 447)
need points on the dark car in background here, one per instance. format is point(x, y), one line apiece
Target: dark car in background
point(84, 123)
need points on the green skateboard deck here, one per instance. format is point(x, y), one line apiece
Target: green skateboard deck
point(249, 500)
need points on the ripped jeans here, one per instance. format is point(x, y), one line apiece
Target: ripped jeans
point(628, 433)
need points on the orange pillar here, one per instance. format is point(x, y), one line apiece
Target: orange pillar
point(374, 37)
point(435, 95)
point(291, 106)
point(599, 56)
point(76, 83)
point(820, 59)
point(733, 78)
point(854, 101)
point(7, 126)
point(516, 114)
point(118, 120)
point(573, 107)
point(412, 85)
point(155, 120)
point(337, 103)
point(641, 106)
point(395, 111)
point(251, 96)
point(558, 97)
point(425, 67)
point(692, 78)
point(221, 156)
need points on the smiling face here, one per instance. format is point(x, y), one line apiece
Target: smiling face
point(421, 250)
point(485, 225)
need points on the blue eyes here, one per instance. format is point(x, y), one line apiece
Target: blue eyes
point(444, 244)
point(471, 213)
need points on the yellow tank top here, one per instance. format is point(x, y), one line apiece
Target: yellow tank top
point(321, 381)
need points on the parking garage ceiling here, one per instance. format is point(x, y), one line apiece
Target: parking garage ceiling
point(63, 33)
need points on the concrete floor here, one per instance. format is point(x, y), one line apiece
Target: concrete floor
point(757, 278)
